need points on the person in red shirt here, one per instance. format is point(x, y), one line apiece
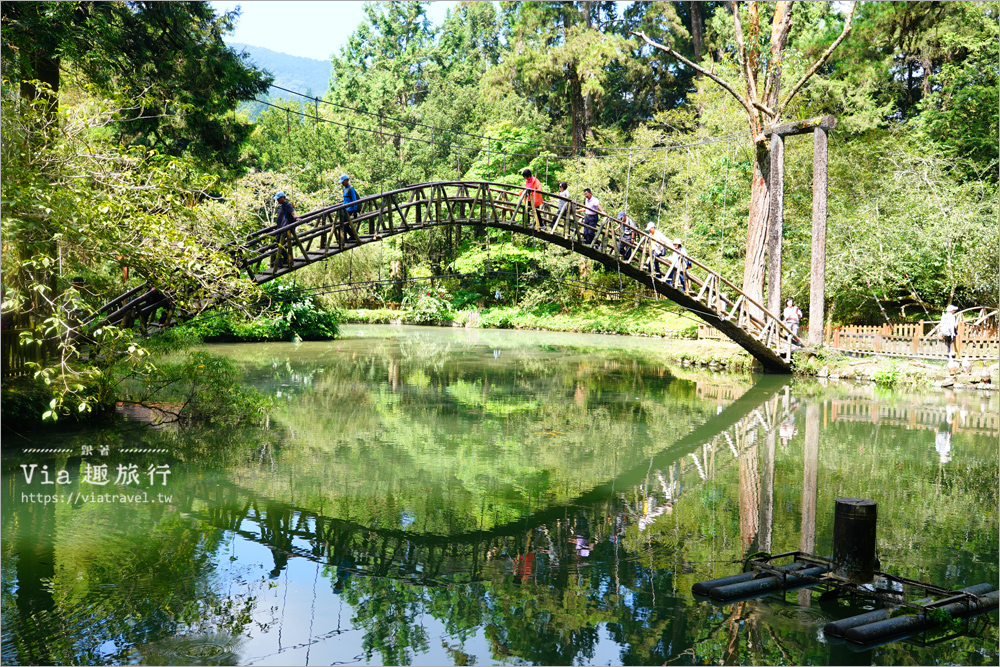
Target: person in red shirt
point(533, 184)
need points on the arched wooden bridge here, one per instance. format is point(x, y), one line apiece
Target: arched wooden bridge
point(320, 234)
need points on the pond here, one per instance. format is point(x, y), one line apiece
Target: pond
point(453, 496)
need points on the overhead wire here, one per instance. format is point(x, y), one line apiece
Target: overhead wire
point(413, 123)
point(506, 154)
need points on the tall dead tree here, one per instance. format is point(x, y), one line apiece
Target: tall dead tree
point(764, 106)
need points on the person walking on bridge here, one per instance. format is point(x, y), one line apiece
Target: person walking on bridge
point(792, 315)
point(533, 188)
point(949, 327)
point(679, 264)
point(350, 211)
point(563, 205)
point(660, 245)
point(286, 218)
point(626, 243)
point(591, 207)
point(533, 196)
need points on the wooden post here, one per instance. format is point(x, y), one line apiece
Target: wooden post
point(817, 283)
point(775, 224)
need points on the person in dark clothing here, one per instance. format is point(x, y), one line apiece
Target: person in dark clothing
point(286, 218)
point(348, 212)
point(591, 207)
point(627, 238)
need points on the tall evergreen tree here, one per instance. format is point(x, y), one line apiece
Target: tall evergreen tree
point(165, 61)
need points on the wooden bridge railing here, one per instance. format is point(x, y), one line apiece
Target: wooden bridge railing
point(318, 235)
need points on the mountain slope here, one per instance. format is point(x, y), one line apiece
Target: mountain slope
point(303, 75)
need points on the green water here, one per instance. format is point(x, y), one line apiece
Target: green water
point(441, 496)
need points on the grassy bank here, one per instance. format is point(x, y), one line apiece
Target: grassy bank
point(667, 320)
point(648, 319)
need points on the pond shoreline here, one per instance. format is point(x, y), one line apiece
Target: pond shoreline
point(717, 355)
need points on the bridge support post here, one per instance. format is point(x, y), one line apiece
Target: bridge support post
point(819, 127)
point(817, 281)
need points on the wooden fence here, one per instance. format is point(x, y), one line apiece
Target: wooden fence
point(914, 339)
point(14, 357)
point(911, 339)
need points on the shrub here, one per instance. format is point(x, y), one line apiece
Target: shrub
point(887, 377)
point(429, 304)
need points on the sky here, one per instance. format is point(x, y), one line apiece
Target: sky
point(314, 29)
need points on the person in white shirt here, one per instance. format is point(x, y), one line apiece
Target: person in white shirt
point(949, 327)
point(591, 207)
point(660, 245)
point(680, 261)
point(792, 315)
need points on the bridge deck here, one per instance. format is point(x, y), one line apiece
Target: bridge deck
point(321, 234)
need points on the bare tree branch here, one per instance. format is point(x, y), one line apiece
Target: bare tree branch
point(741, 48)
point(822, 59)
point(697, 68)
point(780, 26)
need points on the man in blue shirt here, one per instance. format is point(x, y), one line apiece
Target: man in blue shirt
point(348, 212)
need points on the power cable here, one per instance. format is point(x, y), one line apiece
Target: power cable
point(413, 123)
point(703, 142)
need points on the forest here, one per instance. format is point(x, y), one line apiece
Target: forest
point(125, 159)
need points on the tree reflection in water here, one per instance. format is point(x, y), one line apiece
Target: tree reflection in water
point(521, 512)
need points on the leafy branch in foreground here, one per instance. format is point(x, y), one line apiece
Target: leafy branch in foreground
point(76, 204)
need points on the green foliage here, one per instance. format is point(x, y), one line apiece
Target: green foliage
point(427, 304)
point(209, 388)
point(944, 619)
point(165, 62)
point(24, 401)
point(887, 377)
point(286, 313)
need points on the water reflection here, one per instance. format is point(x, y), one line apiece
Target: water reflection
point(420, 498)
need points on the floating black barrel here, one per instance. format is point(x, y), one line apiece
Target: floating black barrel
point(703, 587)
point(854, 539)
point(766, 584)
point(838, 628)
point(903, 625)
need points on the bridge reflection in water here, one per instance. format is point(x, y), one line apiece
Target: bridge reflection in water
point(607, 569)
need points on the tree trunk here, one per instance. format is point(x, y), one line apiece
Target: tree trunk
point(576, 111)
point(588, 99)
point(697, 30)
point(817, 275)
point(760, 207)
point(927, 65)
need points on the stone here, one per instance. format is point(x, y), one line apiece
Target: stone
point(948, 382)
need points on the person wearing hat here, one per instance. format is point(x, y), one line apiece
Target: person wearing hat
point(626, 243)
point(949, 327)
point(351, 210)
point(286, 212)
point(286, 218)
point(660, 245)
